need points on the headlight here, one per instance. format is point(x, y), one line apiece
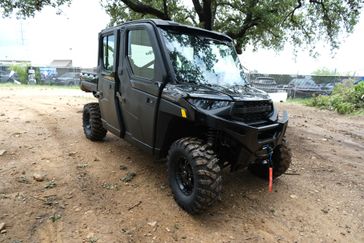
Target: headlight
point(208, 104)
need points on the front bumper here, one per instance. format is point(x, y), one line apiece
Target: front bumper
point(252, 137)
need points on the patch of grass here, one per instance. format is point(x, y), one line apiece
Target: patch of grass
point(358, 112)
point(128, 177)
point(110, 186)
point(50, 200)
point(50, 184)
point(93, 240)
point(302, 101)
point(55, 217)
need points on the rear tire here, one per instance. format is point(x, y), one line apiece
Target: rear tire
point(281, 157)
point(92, 124)
point(194, 174)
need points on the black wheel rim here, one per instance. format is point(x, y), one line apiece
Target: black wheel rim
point(87, 123)
point(184, 176)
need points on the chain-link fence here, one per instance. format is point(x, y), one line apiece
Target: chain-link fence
point(297, 86)
point(27, 74)
point(294, 85)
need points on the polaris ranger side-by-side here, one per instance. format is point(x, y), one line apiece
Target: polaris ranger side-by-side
point(180, 92)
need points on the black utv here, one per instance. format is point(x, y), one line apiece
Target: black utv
point(180, 93)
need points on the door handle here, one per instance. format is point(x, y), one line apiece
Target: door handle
point(150, 101)
point(118, 95)
point(158, 84)
point(121, 99)
point(99, 95)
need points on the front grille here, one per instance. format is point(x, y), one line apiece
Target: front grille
point(252, 111)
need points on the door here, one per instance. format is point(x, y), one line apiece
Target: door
point(140, 82)
point(107, 84)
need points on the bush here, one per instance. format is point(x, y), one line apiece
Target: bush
point(345, 99)
point(22, 71)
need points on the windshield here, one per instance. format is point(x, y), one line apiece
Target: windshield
point(202, 60)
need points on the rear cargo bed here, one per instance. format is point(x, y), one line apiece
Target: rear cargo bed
point(88, 81)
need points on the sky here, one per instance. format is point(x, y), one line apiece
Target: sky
point(73, 35)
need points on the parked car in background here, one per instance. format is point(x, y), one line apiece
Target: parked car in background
point(303, 87)
point(269, 85)
point(8, 77)
point(266, 84)
point(69, 78)
point(329, 87)
point(4, 76)
point(47, 74)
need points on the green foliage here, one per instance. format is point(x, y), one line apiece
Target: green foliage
point(38, 76)
point(325, 72)
point(264, 23)
point(55, 217)
point(22, 71)
point(27, 8)
point(345, 99)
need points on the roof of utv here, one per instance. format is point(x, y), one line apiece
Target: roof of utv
point(174, 25)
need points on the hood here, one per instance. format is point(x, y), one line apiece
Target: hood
point(214, 92)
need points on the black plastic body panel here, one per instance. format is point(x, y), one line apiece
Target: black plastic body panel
point(107, 83)
point(139, 97)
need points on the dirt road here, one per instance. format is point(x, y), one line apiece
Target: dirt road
point(78, 195)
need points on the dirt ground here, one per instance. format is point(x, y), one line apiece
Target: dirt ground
point(80, 195)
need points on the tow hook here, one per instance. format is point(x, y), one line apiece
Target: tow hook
point(270, 164)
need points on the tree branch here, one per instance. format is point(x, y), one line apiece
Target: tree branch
point(291, 14)
point(165, 7)
point(139, 7)
point(192, 17)
point(207, 13)
point(326, 17)
point(197, 6)
point(226, 3)
point(214, 9)
point(249, 22)
point(204, 13)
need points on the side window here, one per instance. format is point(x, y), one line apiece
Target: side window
point(141, 54)
point(108, 47)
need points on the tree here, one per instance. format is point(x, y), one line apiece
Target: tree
point(260, 23)
point(27, 8)
point(263, 23)
point(325, 72)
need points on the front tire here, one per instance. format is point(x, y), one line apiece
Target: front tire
point(194, 174)
point(281, 159)
point(92, 124)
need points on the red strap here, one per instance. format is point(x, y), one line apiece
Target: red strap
point(270, 179)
